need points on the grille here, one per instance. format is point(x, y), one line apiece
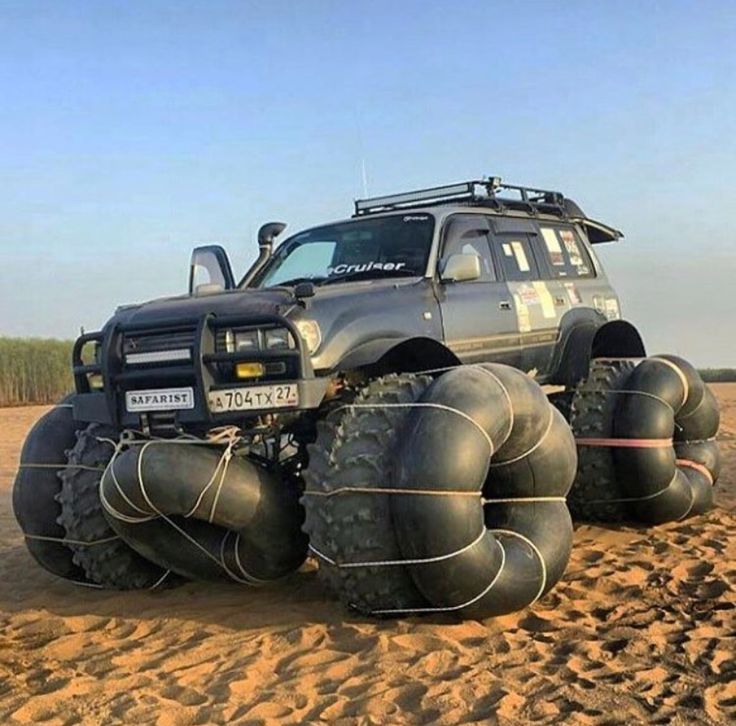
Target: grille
point(151, 342)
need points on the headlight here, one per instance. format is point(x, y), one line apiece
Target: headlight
point(278, 339)
point(243, 340)
point(310, 332)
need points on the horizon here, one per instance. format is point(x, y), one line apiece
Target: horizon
point(131, 133)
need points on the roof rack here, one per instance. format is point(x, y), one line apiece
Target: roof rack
point(483, 192)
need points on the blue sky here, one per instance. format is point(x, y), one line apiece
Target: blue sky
point(131, 131)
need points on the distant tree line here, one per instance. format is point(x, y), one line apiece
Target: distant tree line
point(718, 375)
point(34, 370)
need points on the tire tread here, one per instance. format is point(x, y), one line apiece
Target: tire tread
point(355, 447)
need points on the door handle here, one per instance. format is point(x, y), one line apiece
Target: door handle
point(504, 305)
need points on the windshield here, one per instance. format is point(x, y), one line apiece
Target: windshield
point(395, 246)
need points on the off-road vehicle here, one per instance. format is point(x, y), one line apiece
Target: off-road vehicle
point(412, 282)
point(320, 355)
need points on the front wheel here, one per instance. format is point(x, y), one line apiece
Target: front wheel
point(104, 557)
point(444, 495)
point(355, 447)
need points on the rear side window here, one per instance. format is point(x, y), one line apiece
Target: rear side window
point(564, 252)
point(515, 253)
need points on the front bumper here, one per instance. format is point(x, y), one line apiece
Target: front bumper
point(201, 372)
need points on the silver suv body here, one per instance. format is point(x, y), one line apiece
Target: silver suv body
point(422, 281)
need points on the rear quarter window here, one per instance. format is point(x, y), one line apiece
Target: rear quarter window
point(564, 252)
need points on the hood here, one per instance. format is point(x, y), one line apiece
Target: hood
point(233, 302)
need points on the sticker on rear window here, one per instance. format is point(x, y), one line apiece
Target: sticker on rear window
point(572, 248)
point(520, 255)
point(553, 246)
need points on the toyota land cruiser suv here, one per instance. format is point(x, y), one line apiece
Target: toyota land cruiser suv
point(421, 281)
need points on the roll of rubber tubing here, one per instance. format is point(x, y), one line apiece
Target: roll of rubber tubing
point(490, 430)
point(35, 490)
point(251, 523)
point(675, 404)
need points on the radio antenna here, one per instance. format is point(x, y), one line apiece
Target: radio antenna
point(365, 176)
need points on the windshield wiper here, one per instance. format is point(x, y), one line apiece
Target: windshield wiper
point(366, 275)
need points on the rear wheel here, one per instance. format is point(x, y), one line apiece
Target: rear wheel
point(595, 490)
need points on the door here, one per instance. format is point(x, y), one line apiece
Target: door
point(478, 316)
point(567, 270)
point(538, 308)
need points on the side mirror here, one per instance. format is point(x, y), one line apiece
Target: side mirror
point(210, 271)
point(460, 268)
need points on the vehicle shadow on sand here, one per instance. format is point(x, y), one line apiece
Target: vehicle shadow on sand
point(297, 599)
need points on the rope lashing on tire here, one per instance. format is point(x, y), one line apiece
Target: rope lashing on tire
point(155, 513)
point(88, 543)
point(441, 558)
point(69, 541)
point(96, 586)
point(59, 549)
point(403, 561)
point(230, 517)
point(429, 493)
point(704, 470)
point(36, 490)
point(625, 443)
point(449, 608)
point(230, 437)
point(663, 459)
point(36, 495)
point(59, 467)
point(438, 406)
point(492, 536)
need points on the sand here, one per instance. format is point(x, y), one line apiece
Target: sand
point(642, 628)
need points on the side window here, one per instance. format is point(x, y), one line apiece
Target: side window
point(565, 252)
point(470, 234)
point(515, 253)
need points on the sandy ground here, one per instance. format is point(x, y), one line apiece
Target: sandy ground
point(642, 629)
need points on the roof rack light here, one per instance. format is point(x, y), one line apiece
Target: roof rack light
point(450, 191)
point(490, 191)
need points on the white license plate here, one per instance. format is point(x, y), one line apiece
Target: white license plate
point(254, 397)
point(159, 399)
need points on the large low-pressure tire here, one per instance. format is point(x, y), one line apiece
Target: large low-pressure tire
point(446, 496)
point(646, 434)
point(106, 560)
point(356, 446)
point(36, 489)
point(595, 496)
point(203, 513)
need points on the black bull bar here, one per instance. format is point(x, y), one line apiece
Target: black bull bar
point(108, 406)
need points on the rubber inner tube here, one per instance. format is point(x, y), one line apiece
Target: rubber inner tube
point(487, 531)
point(190, 510)
point(665, 422)
point(37, 487)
